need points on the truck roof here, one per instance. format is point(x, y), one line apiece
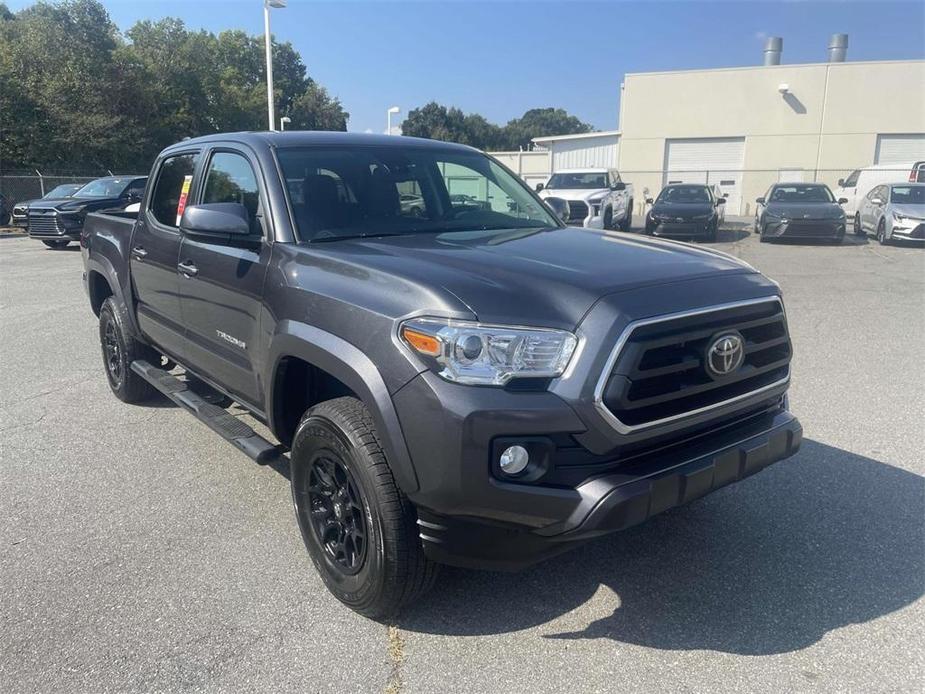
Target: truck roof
point(306, 138)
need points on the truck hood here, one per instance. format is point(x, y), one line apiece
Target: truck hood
point(548, 277)
point(69, 203)
point(573, 193)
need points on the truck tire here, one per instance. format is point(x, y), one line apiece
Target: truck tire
point(359, 528)
point(608, 218)
point(120, 349)
point(627, 222)
point(57, 244)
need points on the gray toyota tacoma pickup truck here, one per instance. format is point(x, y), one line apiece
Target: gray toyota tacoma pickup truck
point(471, 384)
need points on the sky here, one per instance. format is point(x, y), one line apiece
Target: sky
point(502, 58)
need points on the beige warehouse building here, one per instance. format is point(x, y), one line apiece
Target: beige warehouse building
point(748, 127)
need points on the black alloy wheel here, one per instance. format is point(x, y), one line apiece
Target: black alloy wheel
point(112, 355)
point(337, 513)
point(608, 218)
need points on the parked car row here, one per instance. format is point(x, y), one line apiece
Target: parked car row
point(58, 218)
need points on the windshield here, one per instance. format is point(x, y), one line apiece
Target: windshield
point(908, 195)
point(684, 194)
point(800, 194)
point(63, 191)
point(103, 188)
point(589, 180)
point(338, 193)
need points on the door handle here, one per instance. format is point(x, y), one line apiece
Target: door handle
point(188, 269)
point(139, 252)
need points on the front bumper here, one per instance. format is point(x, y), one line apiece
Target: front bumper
point(688, 228)
point(805, 229)
point(614, 501)
point(910, 230)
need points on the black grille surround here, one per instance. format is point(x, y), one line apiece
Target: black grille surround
point(577, 210)
point(656, 373)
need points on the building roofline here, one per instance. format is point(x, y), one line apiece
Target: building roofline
point(576, 136)
point(776, 67)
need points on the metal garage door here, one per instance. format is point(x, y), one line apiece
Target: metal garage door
point(900, 148)
point(586, 153)
point(715, 160)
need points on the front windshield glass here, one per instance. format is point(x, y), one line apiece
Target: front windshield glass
point(103, 188)
point(588, 181)
point(685, 194)
point(800, 194)
point(338, 192)
point(908, 195)
point(62, 191)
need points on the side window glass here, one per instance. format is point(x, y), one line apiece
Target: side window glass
point(231, 179)
point(852, 180)
point(171, 188)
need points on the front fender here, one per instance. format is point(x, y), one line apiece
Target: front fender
point(357, 371)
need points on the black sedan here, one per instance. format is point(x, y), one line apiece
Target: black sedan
point(800, 211)
point(58, 222)
point(684, 209)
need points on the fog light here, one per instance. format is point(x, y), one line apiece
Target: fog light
point(514, 460)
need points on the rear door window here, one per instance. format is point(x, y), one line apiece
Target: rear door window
point(171, 188)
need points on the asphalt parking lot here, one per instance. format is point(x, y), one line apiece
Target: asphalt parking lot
point(139, 552)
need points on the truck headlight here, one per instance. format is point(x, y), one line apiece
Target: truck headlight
point(480, 354)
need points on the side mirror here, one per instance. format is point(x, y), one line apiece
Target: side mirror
point(539, 187)
point(721, 201)
point(760, 201)
point(619, 185)
point(841, 182)
point(842, 201)
point(216, 219)
point(559, 207)
point(649, 201)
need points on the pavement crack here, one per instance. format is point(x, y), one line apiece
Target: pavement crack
point(396, 651)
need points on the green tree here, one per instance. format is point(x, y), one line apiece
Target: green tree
point(437, 122)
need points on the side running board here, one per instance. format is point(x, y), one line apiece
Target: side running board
point(220, 421)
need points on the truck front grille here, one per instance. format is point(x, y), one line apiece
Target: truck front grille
point(577, 210)
point(43, 224)
point(659, 373)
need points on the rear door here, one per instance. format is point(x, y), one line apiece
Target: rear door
point(154, 252)
point(221, 281)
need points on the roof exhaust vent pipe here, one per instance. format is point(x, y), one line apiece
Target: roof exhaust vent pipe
point(772, 50)
point(838, 48)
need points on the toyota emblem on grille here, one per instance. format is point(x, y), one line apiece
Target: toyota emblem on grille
point(725, 354)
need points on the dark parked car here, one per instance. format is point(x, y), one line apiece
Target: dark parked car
point(800, 211)
point(57, 222)
point(21, 209)
point(5, 212)
point(477, 387)
point(685, 209)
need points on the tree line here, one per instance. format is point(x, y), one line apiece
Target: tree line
point(438, 122)
point(76, 94)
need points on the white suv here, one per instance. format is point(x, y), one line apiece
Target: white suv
point(595, 197)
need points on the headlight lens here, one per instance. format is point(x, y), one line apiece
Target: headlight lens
point(479, 354)
point(898, 217)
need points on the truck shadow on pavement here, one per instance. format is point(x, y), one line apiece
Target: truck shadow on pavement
point(770, 565)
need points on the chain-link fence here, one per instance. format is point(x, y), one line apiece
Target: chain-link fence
point(28, 185)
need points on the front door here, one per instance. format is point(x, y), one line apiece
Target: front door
point(221, 284)
point(154, 251)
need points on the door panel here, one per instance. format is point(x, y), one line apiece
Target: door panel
point(221, 306)
point(153, 263)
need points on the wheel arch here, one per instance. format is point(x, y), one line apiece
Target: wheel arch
point(307, 365)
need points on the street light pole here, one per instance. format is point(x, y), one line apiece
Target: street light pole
point(267, 4)
point(388, 117)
